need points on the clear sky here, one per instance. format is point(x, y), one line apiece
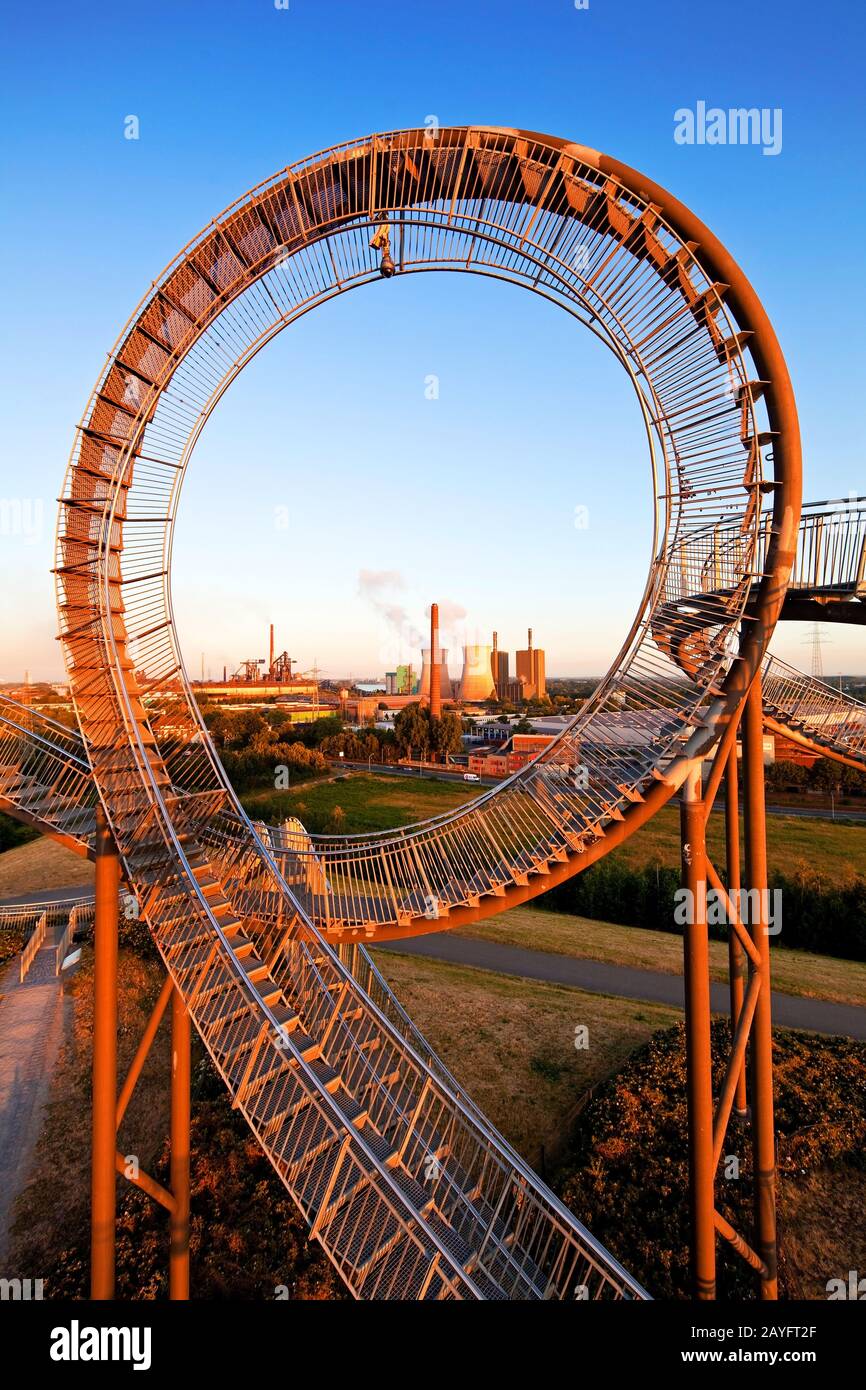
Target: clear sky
point(393, 499)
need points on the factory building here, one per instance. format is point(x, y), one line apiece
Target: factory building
point(499, 669)
point(530, 671)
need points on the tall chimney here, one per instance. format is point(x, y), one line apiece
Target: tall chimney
point(494, 662)
point(271, 663)
point(530, 646)
point(435, 664)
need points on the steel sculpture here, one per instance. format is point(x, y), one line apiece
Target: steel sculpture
point(261, 933)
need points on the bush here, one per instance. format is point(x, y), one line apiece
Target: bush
point(13, 833)
point(626, 1174)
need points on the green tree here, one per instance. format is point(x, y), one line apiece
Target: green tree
point(446, 734)
point(412, 728)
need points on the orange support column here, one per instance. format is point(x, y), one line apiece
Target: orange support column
point(103, 1174)
point(736, 955)
point(699, 1076)
point(180, 1143)
point(763, 1138)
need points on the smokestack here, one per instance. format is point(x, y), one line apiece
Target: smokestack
point(224, 675)
point(530, 646)
point(435, 664)
point(271, 663)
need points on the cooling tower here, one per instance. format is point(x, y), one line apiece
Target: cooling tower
point(444, 678)
point(476, 683)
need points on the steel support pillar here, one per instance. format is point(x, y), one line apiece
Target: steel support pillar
point(180, 1143)
point(761, 1059)
point(109, 1109)
point(103, 1186)
point(737, 970)
point(698, 1041)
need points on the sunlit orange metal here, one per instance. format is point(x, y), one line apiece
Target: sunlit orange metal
point(699, 1081)
point(763, 1137)
point(103, 1181)
point(180, 1144)
point(213, 890)
point(736, 956)
point(109, 1108)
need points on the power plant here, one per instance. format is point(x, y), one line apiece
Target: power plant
point(530, 671)
point(476, 682)
point(485, 676)
point(499, 668)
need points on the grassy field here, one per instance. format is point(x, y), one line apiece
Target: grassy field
point(794, 972)
point(511, 1042)
point(40, 865)
point(377, 803)
point(369, 802)
point(793, 843)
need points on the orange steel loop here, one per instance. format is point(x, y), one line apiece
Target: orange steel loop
point(341, 1092)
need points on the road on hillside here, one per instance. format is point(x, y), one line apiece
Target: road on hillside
point(598, 977)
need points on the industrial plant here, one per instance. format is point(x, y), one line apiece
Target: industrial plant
point(485, 676)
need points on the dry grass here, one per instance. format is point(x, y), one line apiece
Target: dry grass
point(794, 972)
point(822, 1234)
point(42, 864)
point(511, 1042)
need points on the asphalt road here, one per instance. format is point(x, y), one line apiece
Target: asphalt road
point(392, 770)
point(789, 1011)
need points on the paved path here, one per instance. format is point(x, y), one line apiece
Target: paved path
point(49, 895)
point(789, 1011)
point(31, 1030)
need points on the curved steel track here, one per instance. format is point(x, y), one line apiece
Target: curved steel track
point(407, 1188)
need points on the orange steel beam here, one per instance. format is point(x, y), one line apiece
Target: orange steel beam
point(820, 749)
point(180, 1144)
point(109, 1108)
point(143, 1180)
point(699, 1080)
point(725, 1229)
point(735, 1066)
point(763, 1139)
point(143, 1049)
point(737, 968)
point(103, 1182)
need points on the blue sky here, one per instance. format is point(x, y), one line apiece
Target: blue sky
point(469, 498)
